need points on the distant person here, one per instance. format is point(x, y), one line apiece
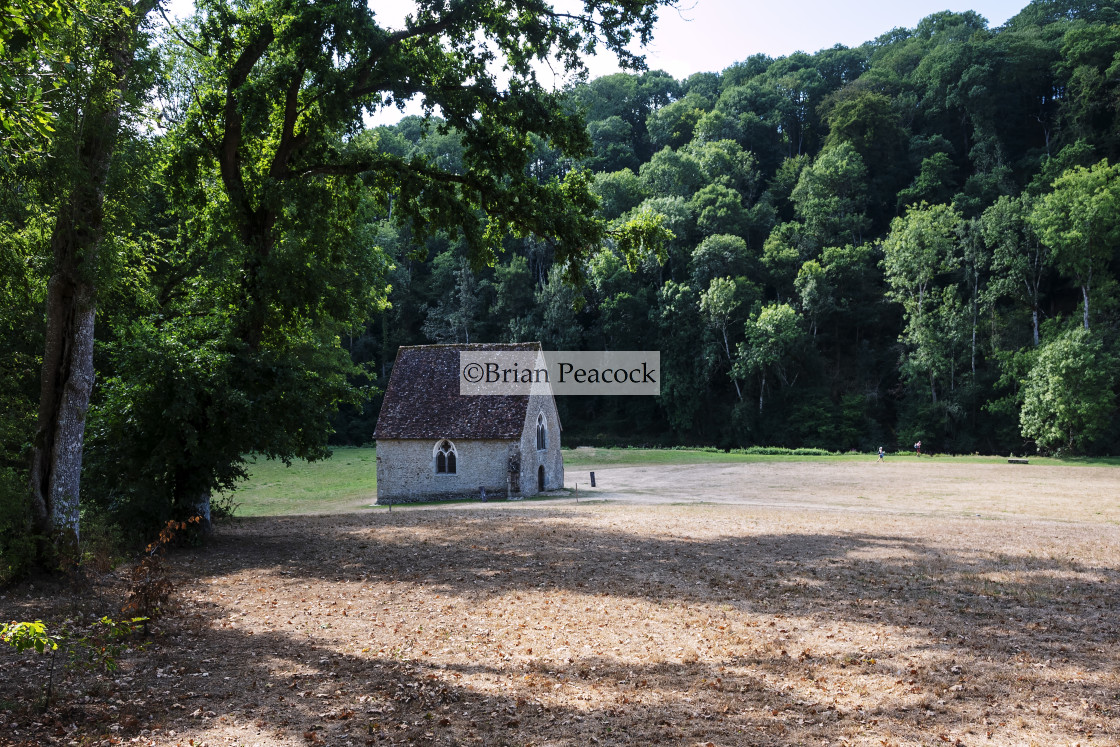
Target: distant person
point(917, 448)
point(880, 453)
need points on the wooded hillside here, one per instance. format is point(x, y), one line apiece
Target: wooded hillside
point(912, 239)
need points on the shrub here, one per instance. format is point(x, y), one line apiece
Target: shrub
point(783, 451)
point(150, 593)
point(18, 543)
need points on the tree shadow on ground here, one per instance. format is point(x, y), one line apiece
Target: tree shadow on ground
point(787, 636)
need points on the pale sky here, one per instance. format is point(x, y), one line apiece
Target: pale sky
point(713, 34)
point(710, 35)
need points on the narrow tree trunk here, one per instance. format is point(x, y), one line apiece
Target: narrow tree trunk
point(975, 317)
point(67, 376)
point(1034, 324)
point(761, 391)
point(384, 346)
point(1085, 297)
point(727, 350)
point(932, 388)
point(974, 322)
point(202, 510)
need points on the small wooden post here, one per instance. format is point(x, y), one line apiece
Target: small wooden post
point(592, 479)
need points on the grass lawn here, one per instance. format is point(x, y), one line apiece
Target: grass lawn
point(326, 486)
point(612, 457)
point(349, 478)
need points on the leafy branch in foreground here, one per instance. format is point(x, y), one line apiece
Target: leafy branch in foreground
point(26, 635)
point(96, 647)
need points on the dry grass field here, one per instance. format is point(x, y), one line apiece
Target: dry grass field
point(841, 603)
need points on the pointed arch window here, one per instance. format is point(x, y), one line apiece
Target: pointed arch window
point(542, 433)
point(445, 458)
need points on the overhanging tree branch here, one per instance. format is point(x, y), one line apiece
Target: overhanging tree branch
point(229, 154)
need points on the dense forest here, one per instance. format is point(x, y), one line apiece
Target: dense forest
point(208, 253)
point(912, 239)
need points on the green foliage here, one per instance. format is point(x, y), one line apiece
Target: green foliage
point(933, 184)
point(29, 33)
point(641, 234)
point(265, 219)
point(783, 451)
point(831, 196)
point(672, 173)
point(557, 302)
point(720, 256)
point(717, 125)
point(18, 541)
point(869, 122)
point(186, 403)
point(96, 647)
point(719, 210)
point(618, 192)
point(779, 180)
point(772, 342)
point(22, 289)
point(1068, 397)
point(920, 250)
point(1080, 221)
point(815, 292)
point(674, 125)
point(685, 373)
point(288, 133)
point(459, 313)
point(1019, 260)
point(720, 302)
point(725, 162)
point(784, 181)
point(612, 143)
point(27, 635)
point(100, 646)
point(786, 248)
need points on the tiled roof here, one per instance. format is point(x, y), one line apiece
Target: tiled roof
point(423, 400)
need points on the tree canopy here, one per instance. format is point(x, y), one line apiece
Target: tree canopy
point(223, 205)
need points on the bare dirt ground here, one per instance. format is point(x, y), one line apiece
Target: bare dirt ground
point(779, 604)
point(937, 486)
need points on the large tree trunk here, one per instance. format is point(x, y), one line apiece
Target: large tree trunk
point(67, 381)
point(67, 378)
